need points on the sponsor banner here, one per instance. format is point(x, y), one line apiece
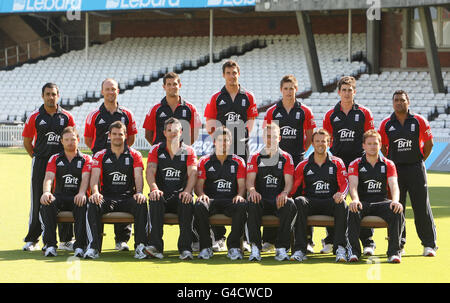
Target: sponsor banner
point(439, 160)
point(44, 6)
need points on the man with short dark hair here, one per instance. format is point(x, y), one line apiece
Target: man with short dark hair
point(235, 108)
point(69, 171)
point(117, 183)
point(407, 141)
point(220, 188)
point(171, 176)
point(371, 177)
point(96, 137)
point(42, 139)
point(172, 105)
point(346, 123)
point(297, 124)
point(323, 183)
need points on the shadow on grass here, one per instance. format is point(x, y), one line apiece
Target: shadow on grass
point(172, 257)
point(439, 200)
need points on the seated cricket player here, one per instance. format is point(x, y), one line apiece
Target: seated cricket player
point(220, 188)
point(116, 184)
point(371, 177)
point(171, 176)
point(324, 186)
point(69, 171)
point(269, 181)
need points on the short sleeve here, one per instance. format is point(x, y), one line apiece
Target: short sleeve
point(87, 167)
point(29, 131)
point(153, 154)
point(51, 165)
point(252, 166)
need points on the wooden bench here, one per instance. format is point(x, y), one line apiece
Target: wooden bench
point(172, 219)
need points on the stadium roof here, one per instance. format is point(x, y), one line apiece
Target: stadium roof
point(315, 5)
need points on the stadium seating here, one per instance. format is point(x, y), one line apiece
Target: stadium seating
point(375, 92)
point(138, 64)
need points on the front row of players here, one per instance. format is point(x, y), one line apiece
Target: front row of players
point(221, 182)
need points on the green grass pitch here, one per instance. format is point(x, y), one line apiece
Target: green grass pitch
point(19, 266)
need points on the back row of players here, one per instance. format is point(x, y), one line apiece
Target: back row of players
point(222, 182)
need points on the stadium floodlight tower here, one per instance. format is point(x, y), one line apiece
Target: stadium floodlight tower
point(373, 12)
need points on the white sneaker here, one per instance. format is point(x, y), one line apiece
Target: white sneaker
point(234, 254)
point(267, 247)
point(139, 252)
point(341, 254)
point(195, 246)
point(153, 252)
point(91, 254)
point(31, 246)
point(309, 248)
point(394, 259)
point(79, 252)
point(281, 255)
point(205, 254)
point(327, 248)
point(246, 246)
point(66, 245)
point(255, 254)
point(186, 255)
point(219, 245)
point(369, 251)
point(353, 258)
point(429, 252)
point(122, 246)
point(298, 256)
point(50, 252)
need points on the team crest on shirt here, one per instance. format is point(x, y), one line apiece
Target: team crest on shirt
point(79, 164)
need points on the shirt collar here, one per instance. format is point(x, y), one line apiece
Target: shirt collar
point(241, 90)
point(118, 110)
point(409, 115)
point(43, 111)
point(338, 107)
point(311, 157)
point(181, 101)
